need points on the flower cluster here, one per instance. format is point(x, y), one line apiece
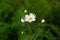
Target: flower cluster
point(29, 18)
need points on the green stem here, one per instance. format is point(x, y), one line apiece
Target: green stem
point(29, 27)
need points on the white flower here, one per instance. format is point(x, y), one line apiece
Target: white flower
point(25, 11)
point(22, 32)
point(42, 20)
point(22, 20)
point(29, 18)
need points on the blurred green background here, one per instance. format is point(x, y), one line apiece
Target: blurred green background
point(11, 12)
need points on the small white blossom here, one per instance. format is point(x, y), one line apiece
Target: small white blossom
point(25, 11)
point(42, 20)
point(22, 20)
point(29, 18)
point(22, 32)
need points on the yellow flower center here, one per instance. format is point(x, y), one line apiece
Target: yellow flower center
point(30, 18)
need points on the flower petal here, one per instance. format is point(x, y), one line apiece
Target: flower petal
point(34, 19)
point(30, 21)
point(26, 15)
point(32, 15)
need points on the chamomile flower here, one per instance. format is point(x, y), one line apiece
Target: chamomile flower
point(22, 20)
point(31, 17)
